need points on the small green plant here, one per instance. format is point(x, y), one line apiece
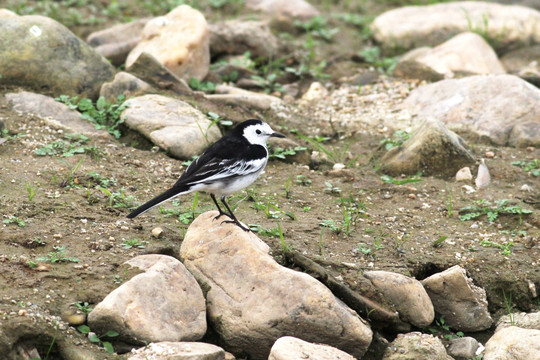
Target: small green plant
point(102, 114)
point(390, 180)
point(364, 248)
point(118, 199)
point(506, 248)
point(280, 153)
point(372, 55)
point(288, 188)
point(332, 225)
point(303, 180)
point(334, 156)
point(101, 180)
point(76, 144)
point(439, 242)
point(399, 243)
point(360, 21)
point(134, 243)
point(14, 220)
point(532, 167)
point(70, 177)
point(331, 189)
point(309, 66)
point(269, 83)
point(317, 26)
point(206, 86)
point(4, 134)
point(84, 329)
point(284, 246)
point(84, 307)
point(351, 210)
point(397, 139)
point(57, 255)
point(31, 191)
point(509, 306)
point(185, 216)
point(492, 211)
point(272, 232)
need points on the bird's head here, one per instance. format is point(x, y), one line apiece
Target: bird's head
point(257, 132)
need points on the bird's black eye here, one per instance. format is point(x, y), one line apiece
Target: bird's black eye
point(258, 131)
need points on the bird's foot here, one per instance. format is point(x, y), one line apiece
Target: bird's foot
point(219, 215)
point(238, 223)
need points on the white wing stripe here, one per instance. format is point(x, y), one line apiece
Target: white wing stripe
point(239, 168)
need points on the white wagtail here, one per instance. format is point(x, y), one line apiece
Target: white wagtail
point(227, 166)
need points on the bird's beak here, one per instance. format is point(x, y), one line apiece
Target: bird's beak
point(276, 134)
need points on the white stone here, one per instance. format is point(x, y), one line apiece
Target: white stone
point(171, 124)
point(465, 54)
point(513, 343)
point(179, 40)
point(464, 174)
point(253, 301)
point(291, 348)
point(413, 26)
point(168, 350)
point(502, 109)
point(407, 294)
point(164, 303)
point(454, 296)
point(416, 346)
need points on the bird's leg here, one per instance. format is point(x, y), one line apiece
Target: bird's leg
point(234, 219)
point(221, 212)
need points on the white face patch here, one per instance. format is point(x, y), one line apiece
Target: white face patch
point(258, 134)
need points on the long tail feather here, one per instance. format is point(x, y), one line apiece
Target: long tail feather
point(167, 195)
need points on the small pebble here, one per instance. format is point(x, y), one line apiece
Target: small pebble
point(526, 188)
point(57, 236)
point(338, 166)
point(156, 232)
point(489, 154)
point(464, 174)
point(412, 196)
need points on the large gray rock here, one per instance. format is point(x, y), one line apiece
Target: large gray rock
point(504, 26)
point(291, 348)
point(297, 9)
point(464, 54)
point(54, 113)
point(237, 37)
point(431, 149)
point(513, 343)
point(179, 40)
point(416, 346)
point(502, 109)
point(116, 42)
point(252, 300)
point(171, 124)
point(167, 350)
point(407, 294)
point(454, 296)
point(41, 54)
point(164, 303)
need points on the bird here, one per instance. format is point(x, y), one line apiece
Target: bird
point(230, 164)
